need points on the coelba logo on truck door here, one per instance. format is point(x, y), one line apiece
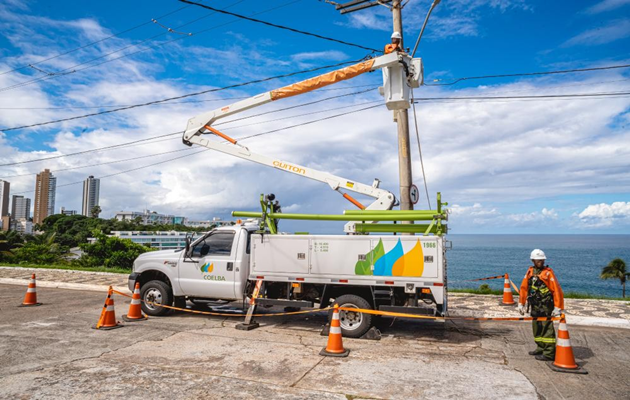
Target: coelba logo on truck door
point(207, 268)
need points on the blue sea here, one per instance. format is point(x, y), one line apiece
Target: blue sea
point(577, 260)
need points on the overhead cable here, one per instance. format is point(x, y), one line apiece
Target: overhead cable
point(73, 69)
point(542, 96)
point(179, 97)
point(281, 26)
point(126, 171)
point(566, 71)
point(152, 138)
point(148, 47)
point(99, 164)
point(92, 43)
point(176, 102)
point(203, 150)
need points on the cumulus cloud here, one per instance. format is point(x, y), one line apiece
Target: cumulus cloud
point(605, 215)
point(476, 153)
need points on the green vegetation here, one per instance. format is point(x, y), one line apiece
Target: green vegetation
point(110, 252)
point(616, 269)
point(61, 232)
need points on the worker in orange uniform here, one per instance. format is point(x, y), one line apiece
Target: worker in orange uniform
point(395, 44)
point(542, 292)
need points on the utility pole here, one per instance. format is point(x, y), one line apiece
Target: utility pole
point(400, 116)
point(402, 119)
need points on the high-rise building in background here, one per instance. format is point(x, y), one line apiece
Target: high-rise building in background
point(4, 198)
point(21, 207)
point(91, 187)
point(45, 187)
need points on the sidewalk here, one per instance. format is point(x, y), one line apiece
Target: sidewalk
point(589, 312)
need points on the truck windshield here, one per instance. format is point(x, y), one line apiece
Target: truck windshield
point(218, 243)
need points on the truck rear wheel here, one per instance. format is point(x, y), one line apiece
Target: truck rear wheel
point(154, 293)
point(354, 324)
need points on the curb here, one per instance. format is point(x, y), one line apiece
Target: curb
point(63, 285)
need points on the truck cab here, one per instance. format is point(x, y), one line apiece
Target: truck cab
point(215, 267)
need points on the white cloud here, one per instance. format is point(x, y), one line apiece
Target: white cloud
point(614, 30)
point(606, 215)
point(476, 153)
point(606, 5)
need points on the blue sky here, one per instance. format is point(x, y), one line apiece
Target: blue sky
point(553, 166)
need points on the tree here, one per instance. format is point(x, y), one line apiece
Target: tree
point(95, 211)
point(616, 269)
point(110, 252)
point(42, 249)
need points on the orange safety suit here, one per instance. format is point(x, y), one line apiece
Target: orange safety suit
point(392, 47)
point(549, 279)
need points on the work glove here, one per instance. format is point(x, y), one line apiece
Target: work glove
point(521, 309)
point(556, 312)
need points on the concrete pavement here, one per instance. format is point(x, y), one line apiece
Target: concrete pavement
point(52, 352)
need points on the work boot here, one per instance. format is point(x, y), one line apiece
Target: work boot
point(540, 357)
point(534, 352)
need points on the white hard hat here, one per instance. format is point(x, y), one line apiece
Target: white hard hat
point(396, 35)
point(538, 254)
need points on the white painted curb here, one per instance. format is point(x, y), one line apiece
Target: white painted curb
point(63, 285)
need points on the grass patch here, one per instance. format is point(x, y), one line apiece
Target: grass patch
point(68, 267)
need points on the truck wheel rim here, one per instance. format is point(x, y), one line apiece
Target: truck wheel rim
point(350, 320)
point(153, 296)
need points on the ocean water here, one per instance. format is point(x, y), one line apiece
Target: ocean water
point(577, 260)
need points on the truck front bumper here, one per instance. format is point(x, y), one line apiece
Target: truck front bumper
point(132, 281)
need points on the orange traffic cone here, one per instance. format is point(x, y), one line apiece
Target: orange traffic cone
point(334, 348)
point(508, 299)
point(565, 362)
point(31, 294)
point(135, 310)
point(108, 315)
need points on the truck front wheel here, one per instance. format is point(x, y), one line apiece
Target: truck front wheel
point(354, 324)
point(153, 294)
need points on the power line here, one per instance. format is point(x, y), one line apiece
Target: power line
point(203, 150)
point(126, 171)
point(544, 96)
point(139, 141)
point(281, 26)
point(103, 163)
point(89, 151)
point(566, 71)
point(149, 47)
point(73, 69)
point(179, 97)
point(92, 43)
point(175, 102)
point(308, 122)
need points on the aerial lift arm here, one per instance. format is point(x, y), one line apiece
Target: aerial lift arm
point(399, 73)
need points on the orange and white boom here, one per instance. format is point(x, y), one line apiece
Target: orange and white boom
point(400, 72)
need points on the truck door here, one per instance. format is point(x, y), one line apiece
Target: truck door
point(210, 270)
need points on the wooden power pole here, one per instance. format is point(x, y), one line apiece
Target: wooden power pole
point(400, 116)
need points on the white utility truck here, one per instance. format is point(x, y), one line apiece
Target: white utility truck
point(399, 273)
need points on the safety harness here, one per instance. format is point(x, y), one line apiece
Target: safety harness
point(539, 298)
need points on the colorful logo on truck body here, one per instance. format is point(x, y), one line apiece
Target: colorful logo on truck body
point(393, 263)
point(207, 268)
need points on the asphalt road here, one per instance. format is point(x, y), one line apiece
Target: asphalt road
point(51, 352)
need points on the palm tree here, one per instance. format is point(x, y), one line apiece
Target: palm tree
point(616, 269)
point(95, 211)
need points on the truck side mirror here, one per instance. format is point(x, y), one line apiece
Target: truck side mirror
point(187, 248)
